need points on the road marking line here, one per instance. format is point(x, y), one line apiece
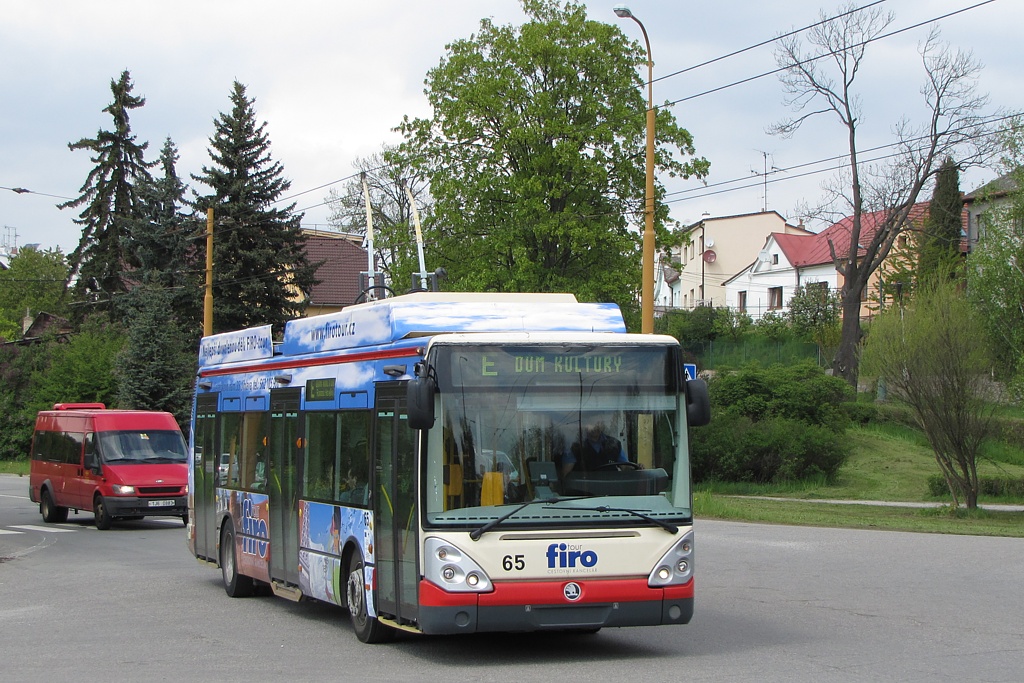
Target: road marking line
point(32, 527)
point(8, 531)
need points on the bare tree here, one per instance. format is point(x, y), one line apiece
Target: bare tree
point(820, 80)
point(394, 241)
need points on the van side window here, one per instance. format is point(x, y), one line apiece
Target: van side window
point(71, 447)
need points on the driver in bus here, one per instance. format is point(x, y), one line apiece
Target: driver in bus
point(596, 448)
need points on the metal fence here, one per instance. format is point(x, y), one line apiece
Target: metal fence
point(725, 354)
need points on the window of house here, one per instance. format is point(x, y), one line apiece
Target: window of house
point(742, 302)
point(775, 259)
point(774, 298)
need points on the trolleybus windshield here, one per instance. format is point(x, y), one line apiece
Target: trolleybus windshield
point(513, 421)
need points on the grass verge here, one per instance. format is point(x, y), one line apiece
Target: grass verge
point(942, 520)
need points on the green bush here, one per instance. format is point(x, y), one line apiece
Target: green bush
point(735, 448)
point(801, 392)
point(861, 413)
point(774, 424)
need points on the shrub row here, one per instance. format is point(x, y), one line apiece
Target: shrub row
point(997, 487)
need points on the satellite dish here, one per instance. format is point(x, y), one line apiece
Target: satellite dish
point(710, 256)
point(764, 256)
point(709, 242)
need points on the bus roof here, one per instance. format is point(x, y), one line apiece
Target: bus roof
point(419, 314)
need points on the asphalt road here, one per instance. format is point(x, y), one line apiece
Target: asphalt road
point(774, 603)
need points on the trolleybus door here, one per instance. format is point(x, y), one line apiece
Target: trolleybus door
point(394, 505)
point(204, 477)
point(285, 445)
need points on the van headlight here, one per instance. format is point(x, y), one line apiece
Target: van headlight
point(123, 490)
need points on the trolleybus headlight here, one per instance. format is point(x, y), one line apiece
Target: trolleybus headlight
point(451, 569)
point(676, 566)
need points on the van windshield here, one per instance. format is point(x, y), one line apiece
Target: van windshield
point(147, 447)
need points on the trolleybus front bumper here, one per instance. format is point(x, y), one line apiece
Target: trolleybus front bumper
point(540, 606)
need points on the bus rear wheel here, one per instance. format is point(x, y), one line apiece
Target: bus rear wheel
point(51, 513)
point(235, 585)
point(367, 628)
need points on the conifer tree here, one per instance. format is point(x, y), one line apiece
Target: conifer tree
point(166, 246)
point(940, 243)
point(110, 204)
point(261, 274)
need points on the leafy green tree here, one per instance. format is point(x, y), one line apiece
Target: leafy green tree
point(815, 312)
point(933, 355)
point(110, 204)
point(33, 282)
point(940, 242)
point(17, 366)
point(774, 326)
point(80, 369)
point(995, 277)
point(534, 156)
point(261, 274)
point(732, 324)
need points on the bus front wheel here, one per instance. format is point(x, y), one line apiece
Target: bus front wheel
point(367, 628)
point(235, 585)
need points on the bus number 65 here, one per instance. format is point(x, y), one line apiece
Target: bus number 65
point(510, 562)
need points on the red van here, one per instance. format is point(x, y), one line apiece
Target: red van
point(121, 464)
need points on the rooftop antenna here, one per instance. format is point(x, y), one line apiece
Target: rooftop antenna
point(764, 176)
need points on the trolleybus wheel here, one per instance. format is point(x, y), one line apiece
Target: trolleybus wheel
point(51, 513)
point(367, 628)
point(99, 509)
point(235, 584)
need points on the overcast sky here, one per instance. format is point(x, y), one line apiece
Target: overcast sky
point(333, 78)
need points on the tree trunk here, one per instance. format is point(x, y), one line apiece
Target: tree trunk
point(845, 363)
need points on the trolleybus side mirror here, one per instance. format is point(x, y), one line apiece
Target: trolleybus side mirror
point(698, 404)
point(420, 401)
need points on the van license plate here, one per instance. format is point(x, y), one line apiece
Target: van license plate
point(161, 503)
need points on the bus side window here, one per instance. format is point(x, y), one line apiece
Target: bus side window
point(354, 463)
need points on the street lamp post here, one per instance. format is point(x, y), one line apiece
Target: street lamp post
point(647, 281)
point(208, 298)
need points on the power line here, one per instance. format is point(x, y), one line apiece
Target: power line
point(767, 42)
point(821, 56)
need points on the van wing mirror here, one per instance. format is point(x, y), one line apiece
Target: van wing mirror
point(698, 403)
point(420, 398)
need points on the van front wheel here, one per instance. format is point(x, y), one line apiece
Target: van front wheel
point(51, 513)
point(99, 509)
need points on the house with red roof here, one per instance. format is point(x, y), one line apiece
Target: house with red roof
point(789, 261)
point(710, 252)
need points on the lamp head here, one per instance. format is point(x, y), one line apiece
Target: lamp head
point(622, 12)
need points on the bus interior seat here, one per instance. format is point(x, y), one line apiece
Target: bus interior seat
point(492, 491)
